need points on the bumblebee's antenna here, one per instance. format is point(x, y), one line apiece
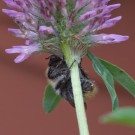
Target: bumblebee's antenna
point(48, 58)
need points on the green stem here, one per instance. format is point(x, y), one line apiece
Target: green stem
point(67, 53)
point(77, 90)
point(78, 99)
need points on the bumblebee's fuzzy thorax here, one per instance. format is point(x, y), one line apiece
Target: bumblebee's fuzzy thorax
point(58, 75)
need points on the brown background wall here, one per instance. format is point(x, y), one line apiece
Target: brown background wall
point(22, 85)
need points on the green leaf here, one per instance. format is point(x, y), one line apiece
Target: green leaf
point(121, 77)
point(107, 78)
point(51, 100)
point(124, 116)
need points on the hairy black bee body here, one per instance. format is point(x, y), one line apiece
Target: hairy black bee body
point(58, 75)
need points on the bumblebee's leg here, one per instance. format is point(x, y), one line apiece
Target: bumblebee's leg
point(85, 105)
point(72, 64)
point(73, 104)
point(82, 73)
point(86, 83)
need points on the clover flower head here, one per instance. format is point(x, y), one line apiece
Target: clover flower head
point(45, 24)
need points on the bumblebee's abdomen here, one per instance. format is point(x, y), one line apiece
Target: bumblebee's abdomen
point(89, 88)
point(90, 93)
point(64, 89)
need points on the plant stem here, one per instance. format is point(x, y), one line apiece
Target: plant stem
point(78, 99)
point(67, 54)
point(77, 90)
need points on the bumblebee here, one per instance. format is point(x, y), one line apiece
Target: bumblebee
point(58, 74)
